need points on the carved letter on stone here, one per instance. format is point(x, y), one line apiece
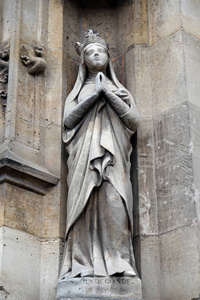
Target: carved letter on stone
point(100, 117)
point(36, 63)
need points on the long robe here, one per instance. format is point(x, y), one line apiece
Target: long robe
point(100, 202)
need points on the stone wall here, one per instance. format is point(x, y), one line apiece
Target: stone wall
point(155, 51)
point(165, 90)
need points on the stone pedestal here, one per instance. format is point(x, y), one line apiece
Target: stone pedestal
point(100, 287)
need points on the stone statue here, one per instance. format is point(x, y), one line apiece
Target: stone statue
point(100, 116)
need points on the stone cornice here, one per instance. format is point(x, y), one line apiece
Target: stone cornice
point(25, 174)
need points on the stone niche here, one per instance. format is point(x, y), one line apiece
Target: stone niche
point(123, 24)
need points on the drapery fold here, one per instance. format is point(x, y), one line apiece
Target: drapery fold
point(100, 203)
point(99, 150)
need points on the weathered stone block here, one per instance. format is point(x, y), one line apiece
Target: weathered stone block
point(180, 264)
point(119, 67)
point(138, 79)
point(147, 202)
point(71, 26)
point(146, 179)
point(168, 84)
point(53, 146)
point(53, 109)
point(2, 203)
point(174, 175)
point(194, 129)
point(190, 11)
point(192, 67)
point(92, 17)
point(7, 11)
point(71, 67)
point(145, 143)
point(52, 213)
point(26, 109)
point(22, 209)
point(195, 152)
point(50, 256)
point(150, 268)
point(20, 265)
point(164, 19)
point(28, 19)
point(195, 191)
point(132, 24)
point(55, 24)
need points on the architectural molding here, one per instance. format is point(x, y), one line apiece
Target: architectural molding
point(33, 178)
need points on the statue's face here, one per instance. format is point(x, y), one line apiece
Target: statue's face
point(96, 57)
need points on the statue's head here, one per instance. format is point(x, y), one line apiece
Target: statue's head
point(93, 51)
point(96, 57)
point(93, 55)
point(92, 37)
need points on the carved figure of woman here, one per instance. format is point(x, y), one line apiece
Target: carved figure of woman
point(99, 118)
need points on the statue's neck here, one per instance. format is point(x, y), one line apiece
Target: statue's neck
point(93, 73)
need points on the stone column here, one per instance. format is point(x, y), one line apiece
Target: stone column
point(30, 150)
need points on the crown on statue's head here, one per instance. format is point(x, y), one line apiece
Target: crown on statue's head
point(91, 33)
point(92, 36)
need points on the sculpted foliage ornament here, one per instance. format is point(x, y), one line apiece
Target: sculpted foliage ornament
point(100, 117)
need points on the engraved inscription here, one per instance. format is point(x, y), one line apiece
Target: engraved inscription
point(104, 281)
point(101, 286)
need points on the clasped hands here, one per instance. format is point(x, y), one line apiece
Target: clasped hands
point(101, 85)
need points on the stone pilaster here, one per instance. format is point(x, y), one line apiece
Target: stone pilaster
point(168, 141)
point(32, 198)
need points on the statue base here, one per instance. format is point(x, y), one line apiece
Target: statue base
point(94, 288)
